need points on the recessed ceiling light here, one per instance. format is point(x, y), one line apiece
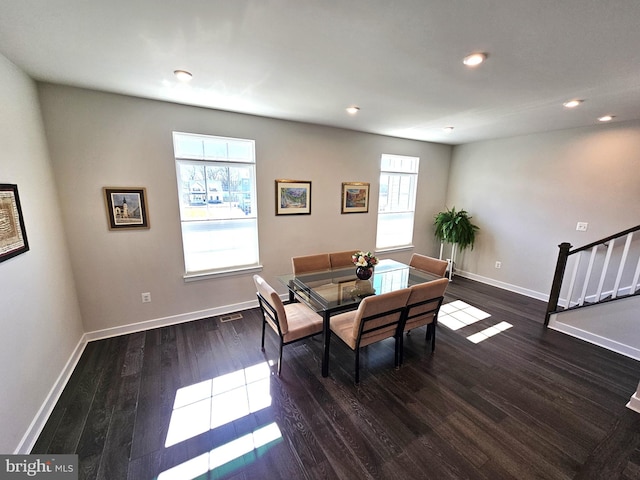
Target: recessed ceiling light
point(183, 75)
point(353, 110)
point(606, 118)
point(448, 129)
point(572, 103)
point(474, 59)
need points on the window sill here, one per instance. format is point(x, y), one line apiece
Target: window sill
point(395, 249)
point(194, 277)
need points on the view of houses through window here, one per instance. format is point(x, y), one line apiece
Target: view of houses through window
point(397, 200)
point(216, 185)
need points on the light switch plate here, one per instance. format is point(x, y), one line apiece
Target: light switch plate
point(582, 226)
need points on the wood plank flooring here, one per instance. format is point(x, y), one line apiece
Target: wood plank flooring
point(526, 403)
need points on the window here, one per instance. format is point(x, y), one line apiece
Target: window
point(217, 192)
point(397, 201)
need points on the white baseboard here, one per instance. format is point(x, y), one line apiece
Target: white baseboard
point(37, 424)
point(607, 343)
point(166, 321)
point(634, 403)
point(505, 286)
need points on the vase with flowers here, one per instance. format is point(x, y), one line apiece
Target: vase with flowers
point(364, 262)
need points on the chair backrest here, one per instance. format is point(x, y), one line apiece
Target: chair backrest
point(429, 264)
point(424, 303)
point(342, 259)
point(311, 263)
point(271, 306)
point(379, 316)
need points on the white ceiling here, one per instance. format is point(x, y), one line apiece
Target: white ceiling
point(307, 60)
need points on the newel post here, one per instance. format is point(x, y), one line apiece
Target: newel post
point(554, 296)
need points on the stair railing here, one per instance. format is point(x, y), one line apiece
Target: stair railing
point(581, 279)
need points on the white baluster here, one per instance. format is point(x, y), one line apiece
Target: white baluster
point(623, 261)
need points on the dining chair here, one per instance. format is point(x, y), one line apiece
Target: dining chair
point(422, 309)
point(311, 263)
point(429, 264)
point(342, 259)
point(378, 317)
point(292, 322)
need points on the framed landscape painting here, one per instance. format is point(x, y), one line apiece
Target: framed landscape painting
point(355, 197)
point(13, 235)
point(126, 207)
point(293, 197)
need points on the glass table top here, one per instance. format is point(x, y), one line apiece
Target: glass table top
point(340, 289)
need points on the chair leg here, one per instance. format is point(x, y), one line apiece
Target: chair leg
point(399, 350)
point(280, 359)
point(264, 324)
point(357, 365)
point(428, 334)
point(433, 336)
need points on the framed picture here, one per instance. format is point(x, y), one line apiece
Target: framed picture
point(13, 236)
point(126, 207)
point(293, 197)
point(355, 197)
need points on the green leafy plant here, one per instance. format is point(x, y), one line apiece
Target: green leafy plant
point(455, 227)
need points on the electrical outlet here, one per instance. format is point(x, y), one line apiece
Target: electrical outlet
point(582, 226)
point(146, 297)
point(498, 264)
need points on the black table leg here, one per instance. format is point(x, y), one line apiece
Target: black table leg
point(327, 340)
point(292, 295)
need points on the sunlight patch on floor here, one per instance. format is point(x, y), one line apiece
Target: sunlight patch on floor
point(489, 332)
point(243, 447)
point(457, 315)
point(206, 405)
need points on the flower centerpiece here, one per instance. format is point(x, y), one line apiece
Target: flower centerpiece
point(364, 262)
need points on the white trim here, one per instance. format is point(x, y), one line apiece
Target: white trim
point(400, 248)
point(194, 277)
point(607, 343)
point(634, 403)
point(167, 321)
point(37, 424)
point(504, 286)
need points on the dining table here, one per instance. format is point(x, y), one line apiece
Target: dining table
point(334, 291)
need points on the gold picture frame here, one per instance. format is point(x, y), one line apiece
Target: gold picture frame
point(126, 207)
point(293, 197)
point(355, 197)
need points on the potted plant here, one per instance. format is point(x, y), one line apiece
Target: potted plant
point(455, 227)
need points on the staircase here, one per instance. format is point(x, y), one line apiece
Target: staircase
point(599, 300)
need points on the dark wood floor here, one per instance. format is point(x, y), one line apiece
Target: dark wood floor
point(527, 403)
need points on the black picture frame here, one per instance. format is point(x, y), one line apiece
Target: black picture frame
point(293, 197)
point(13, 234)
point(126, 207)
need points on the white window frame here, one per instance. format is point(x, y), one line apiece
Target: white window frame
point(396, 198)
point(206, 214)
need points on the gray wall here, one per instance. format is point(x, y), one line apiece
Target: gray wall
point(39, 314)
point(527, 194)
point(99, 139)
